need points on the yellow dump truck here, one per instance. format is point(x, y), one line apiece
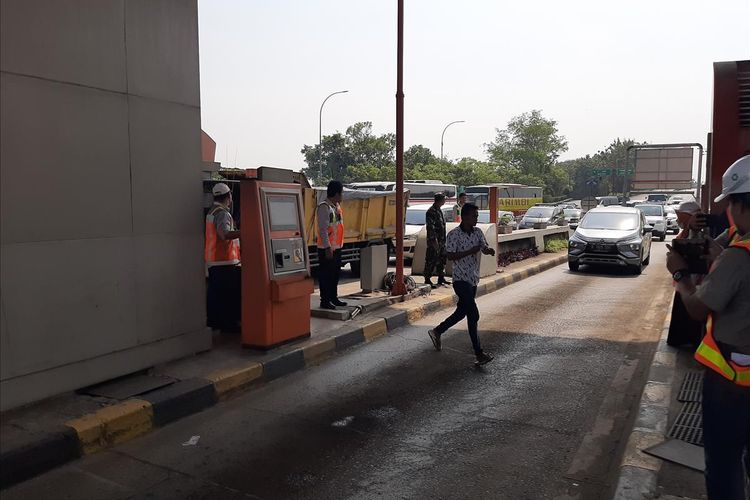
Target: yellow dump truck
point(369, 219)
point(369, 216)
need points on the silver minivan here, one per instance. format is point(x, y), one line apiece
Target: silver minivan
point(615, 235)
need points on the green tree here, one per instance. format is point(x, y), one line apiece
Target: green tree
point(527, 149)
point(418, 155)
point(338, 153)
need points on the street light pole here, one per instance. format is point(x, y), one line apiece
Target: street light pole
point(320, 130)
point(442, 136)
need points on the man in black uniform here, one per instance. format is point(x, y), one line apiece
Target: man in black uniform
point(436, 257)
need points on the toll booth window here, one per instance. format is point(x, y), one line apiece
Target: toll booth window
point(283, 213)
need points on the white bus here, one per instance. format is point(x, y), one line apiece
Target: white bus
point(516, 198)
point(419, 191)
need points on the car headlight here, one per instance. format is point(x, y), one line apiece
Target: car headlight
point(631, 247)
point(576, 245)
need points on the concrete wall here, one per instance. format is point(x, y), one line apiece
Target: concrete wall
point(100, 192)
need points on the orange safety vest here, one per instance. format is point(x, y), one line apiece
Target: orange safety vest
point(709, 354)
point(335, 227)
point(733, 233)
point(220, 252)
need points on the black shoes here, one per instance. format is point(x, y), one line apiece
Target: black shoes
point(429, 282)
point(443, 281)
point(332, 304)
point(483, 358)
point(435, 337)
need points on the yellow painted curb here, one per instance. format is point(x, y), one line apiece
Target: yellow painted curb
point(376, 329)
point(415, 314)
point(113, 425)
point(318, 349)
point(491, 286)
point(446, 301)
point(227, 381)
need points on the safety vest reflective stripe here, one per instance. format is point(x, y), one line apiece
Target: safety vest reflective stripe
point(733, 233)
point(335, 227)
point(709, 354)
point(219, 252)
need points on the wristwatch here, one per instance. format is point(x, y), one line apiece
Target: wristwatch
point(679, 275)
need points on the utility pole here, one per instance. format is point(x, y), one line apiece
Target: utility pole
point(398, 286)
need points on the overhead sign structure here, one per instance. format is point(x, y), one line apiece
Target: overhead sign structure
point(603, 172)
point(664, 168)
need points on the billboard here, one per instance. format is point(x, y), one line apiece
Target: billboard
point(663, 168)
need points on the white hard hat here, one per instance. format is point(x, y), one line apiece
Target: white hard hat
point(689, 207)
point(736, 179)
point(220, 189)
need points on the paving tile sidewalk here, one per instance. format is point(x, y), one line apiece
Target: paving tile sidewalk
point(44, 435)
point(643, 476)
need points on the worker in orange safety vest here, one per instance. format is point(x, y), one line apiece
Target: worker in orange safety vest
point(330, 242)
point(723, 300)
point(222, 254)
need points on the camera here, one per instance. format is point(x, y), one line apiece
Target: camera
point(694, 250)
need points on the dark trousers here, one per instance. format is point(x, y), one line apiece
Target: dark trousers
point(223, 297)
point(328, 275)
point(726, 436)
point(434, 263)
point(466, 308)
point(682, 328)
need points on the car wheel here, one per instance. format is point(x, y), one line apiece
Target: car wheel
point(355, 266)
point(638, 269)
point(663, 237)
point(573, 266)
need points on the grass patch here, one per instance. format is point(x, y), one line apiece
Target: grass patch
point(555, 246)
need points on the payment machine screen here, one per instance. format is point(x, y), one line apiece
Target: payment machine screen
point(283, 212)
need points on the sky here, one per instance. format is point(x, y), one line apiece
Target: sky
point(640, 69)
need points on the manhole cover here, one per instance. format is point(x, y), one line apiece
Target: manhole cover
point(688, 426)
point(691, 389)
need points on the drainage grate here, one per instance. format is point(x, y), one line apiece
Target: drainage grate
point(689, 424)
point(692, 388)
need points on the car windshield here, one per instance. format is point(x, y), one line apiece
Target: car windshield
point(653, 210)
point(540, 212)
point(670, 211)
point(657, 197)
point(572, 212)
point(610, 220)
point(416, 217)
point(484, 217)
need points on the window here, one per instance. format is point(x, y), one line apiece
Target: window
point(651, 210)
point(610, 220)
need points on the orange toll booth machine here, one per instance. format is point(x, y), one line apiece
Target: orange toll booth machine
point(276, 282)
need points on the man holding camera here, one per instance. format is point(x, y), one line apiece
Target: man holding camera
point(723, 301)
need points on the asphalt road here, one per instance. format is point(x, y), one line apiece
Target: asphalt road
point(395, 419)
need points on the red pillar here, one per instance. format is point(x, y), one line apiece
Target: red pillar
point(729, 140)
point(398, 287)
point(493, 205)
